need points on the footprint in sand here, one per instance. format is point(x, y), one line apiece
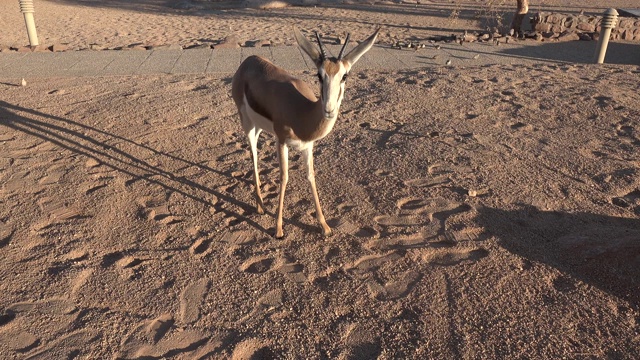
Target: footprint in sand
point(400, 220)
point(60, 314)
point(381, 172)
point(241, 237)
point(394, 290)
point(6, 233)
point(416, 211)
point(257, 265)
point(266, 304)
point(414, 241)
point(155, 208)
point(428, 182)
point(369, 263)
point(138, 346)
point(451, 257)
point(191, 301)
point(344, 226)
point(252, 349)
point(293, 272)
point(629, 199)
point(362, 341)
point(90, 187)
point(201, 247)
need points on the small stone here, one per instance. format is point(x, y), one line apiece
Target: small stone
point(91, 163)
point(166, 47)
point(262, 43)
point(59, 47)
point(230, 42)
point(472, 193)
point(23, 82)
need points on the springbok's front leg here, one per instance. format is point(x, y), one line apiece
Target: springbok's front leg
point(253, 135)
point(308, 157)
point(283, 160)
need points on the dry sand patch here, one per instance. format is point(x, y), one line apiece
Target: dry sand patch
point(474, 214)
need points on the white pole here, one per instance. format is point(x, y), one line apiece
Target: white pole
point(608, 22)
point(27, 8)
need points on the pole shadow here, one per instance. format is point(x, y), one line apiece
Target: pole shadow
point(81, 139)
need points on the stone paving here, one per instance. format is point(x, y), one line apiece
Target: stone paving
point(225, 61)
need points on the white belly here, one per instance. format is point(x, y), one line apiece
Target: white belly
point(252, 119)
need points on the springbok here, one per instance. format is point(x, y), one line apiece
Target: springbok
point(270, 99)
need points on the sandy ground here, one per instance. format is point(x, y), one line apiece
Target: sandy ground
point(480, 212)
point(116, 23)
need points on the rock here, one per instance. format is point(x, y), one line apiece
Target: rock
point(198, 46)
point(627, 35)
point(166, 47)
point(257, 43)
point(37, 48)
point(626, 23)
point(230, 42)
point(469, 38)
point(586, 27)
point(543, 27)
point(568, 35)
point(59, 47)
point(134, 46)
point(585, 37)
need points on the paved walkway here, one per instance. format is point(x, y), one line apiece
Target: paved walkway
point(226, 61)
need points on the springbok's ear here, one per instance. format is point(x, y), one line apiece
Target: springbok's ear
point(355, 54)
point(307, 46)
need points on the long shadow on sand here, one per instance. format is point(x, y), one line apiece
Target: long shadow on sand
point(82, 139)
point(579, 52)
point(602, 251)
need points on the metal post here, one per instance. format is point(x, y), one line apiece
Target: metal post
point(27, 8)
point(608, 22)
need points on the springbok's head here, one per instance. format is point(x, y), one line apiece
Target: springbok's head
point(332, 71)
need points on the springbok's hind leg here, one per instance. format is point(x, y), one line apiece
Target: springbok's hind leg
point(308, 156)
point(253, 134)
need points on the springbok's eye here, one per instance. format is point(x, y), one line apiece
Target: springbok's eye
point(320, 78)
point(344, 78)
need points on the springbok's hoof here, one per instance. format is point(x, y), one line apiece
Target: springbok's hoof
point(326, 232)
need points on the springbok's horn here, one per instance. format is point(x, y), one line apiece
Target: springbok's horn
point(324, 54)
point(346, 41)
